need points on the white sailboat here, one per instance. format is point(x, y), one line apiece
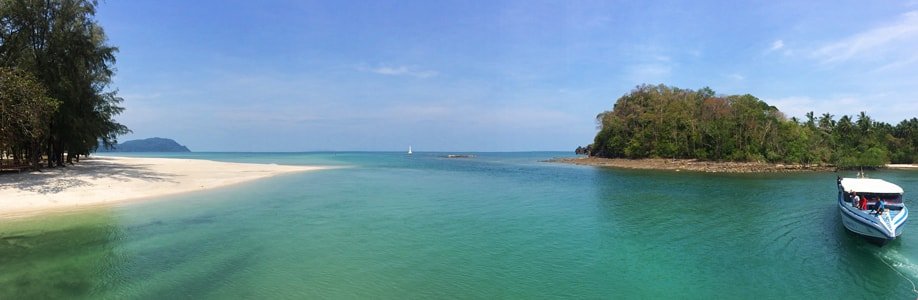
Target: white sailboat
point(409, 150)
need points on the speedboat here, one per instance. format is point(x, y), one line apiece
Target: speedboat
point(878, 226)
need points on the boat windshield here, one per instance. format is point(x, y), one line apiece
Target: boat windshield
point(890, 199)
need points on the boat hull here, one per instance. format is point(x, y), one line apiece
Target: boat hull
point(870, 226)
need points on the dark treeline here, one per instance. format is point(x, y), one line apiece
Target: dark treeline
point(669, 122)
point(55, 69)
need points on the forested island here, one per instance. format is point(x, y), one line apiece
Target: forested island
point(146, 145)
point(659, 121)
point(55, 70)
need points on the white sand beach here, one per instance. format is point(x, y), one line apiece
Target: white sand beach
point(102, 180)
point(902, 166)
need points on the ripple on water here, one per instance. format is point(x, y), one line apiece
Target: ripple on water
point(392, 227)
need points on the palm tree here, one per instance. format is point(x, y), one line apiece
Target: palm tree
point(864, 123)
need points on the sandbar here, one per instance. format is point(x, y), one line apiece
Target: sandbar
point(102, 180)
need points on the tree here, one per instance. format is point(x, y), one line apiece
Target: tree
point(25, 110)
point(902, 141)
point(665, 121)
point(62, 45)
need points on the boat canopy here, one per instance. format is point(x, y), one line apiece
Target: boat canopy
point(870, 185)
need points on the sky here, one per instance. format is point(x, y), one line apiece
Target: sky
point(486, 75)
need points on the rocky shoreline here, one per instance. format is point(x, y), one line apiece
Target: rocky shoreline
point(692, 165)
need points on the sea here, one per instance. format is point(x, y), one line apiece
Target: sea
point(386, 225)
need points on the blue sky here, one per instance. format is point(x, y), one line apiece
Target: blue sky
point(486, 75)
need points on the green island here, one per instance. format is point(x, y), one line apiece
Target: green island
point(395, 150)
point(155, 144)
point(666, 122)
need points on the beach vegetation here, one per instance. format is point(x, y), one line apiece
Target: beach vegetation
point(24, 109)
point(58, 45)
point(659, 121)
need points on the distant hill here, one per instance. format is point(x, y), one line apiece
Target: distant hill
point(147, 145)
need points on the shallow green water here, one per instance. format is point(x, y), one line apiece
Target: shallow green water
point(495, 226)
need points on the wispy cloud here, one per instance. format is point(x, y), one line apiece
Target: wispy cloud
point(776, 45)
point(876, 105)
point(400, 71)
point(651, 64)
point(897, 64)
point(891, 42)
point(798, 106)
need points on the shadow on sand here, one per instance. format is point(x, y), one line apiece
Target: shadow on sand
point(51, 181)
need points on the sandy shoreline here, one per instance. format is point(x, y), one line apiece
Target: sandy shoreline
point(902, 166)
point(690, 165)
point(103, 180)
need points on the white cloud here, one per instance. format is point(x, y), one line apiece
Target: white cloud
point(894, 42)
point(794, 106)
point(897, 64)
point(798, 106)
point(401, 71)
point(737, 77)
point(776, 45)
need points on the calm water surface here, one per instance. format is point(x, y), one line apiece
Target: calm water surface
point(500, 225)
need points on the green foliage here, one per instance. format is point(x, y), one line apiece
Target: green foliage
point(873, 157)
point(63, 48)
point(669, 122)
point(902, 141)
point(24, 109)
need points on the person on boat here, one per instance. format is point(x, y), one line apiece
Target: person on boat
point(863, 204)
point(855, 200)
point(881, 205)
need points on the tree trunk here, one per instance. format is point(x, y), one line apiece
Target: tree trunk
point(35, 156)
point(50, 153)
point(59, 157)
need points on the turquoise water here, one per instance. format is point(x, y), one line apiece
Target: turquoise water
point(500, 225)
